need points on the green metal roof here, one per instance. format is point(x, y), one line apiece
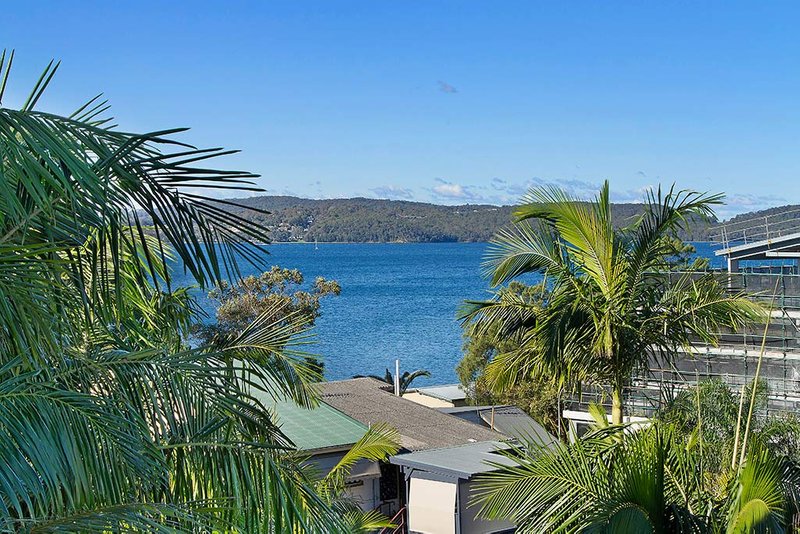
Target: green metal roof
point(323, 427)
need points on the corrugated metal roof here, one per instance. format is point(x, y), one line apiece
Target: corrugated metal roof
point(449, 392)
point(319, 428)
point(509, 420)
point(463, 461)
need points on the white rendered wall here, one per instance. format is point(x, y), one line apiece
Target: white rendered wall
point(431, 506)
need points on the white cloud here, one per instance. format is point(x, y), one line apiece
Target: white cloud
point(450, 190)
point(392, 192)
point(738, 203)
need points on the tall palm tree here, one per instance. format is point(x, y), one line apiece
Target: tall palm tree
point(108, 421)
point(651, 480)
point(609, 306)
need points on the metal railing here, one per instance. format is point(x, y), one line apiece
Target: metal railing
point(399, 522)
point(646, 396)
point(757, 229)
point(733, 360)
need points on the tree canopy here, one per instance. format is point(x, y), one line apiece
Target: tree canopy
point(609, 308)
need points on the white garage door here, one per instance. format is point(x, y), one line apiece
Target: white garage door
point(431, 506)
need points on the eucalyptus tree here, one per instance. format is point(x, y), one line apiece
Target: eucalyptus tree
point(108, 421)
point(609, 305)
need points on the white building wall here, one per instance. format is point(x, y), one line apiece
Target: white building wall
point(431, 506)
point(365, 492)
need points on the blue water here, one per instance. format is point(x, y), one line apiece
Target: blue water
point(397, 301)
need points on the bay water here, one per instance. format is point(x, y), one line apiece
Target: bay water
point(397, 301)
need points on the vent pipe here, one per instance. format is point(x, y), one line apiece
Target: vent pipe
point(397, 377)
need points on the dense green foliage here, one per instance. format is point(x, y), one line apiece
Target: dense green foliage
point(610, 306)
point(279, 292)
point(108, 421)
point(536, 395)
point(713, 407)
point(655, 479)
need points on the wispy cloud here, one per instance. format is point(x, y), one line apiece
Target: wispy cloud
point(446, 87)
point(502, 191)
point(392, 192)
point(506, 191)
point(738, 203)
point(449, 191)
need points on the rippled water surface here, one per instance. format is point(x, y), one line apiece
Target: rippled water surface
point(397, 301)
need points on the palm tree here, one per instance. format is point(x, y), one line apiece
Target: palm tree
point(108, 420)
point(609, 305)
point(652, 480)
point(406, 379)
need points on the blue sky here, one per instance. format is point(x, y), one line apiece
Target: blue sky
point(448, 102)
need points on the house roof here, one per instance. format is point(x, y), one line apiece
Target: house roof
point(318, 429)
point(420, 427)
point(463, 461)
point(449, 392)
point(509, 420)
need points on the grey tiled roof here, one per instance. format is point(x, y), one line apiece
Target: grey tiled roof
point(420, 427)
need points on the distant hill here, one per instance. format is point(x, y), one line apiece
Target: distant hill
point(366, 220)
point(755, 224)
point(776, 215)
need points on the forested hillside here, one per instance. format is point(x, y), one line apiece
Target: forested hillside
point(370, 220)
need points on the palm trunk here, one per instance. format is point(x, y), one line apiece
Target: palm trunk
point(616, 405)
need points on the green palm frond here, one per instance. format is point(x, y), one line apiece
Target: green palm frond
point(545, 491)
point(109, 422)
point(377, 444)
point(135, 517)
point(757, 500)
point(523, 249)
point(43, 432)
point(615, 479)
point(612, 297)
point(74, 189)
point(360, 522)
point(269, 350)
